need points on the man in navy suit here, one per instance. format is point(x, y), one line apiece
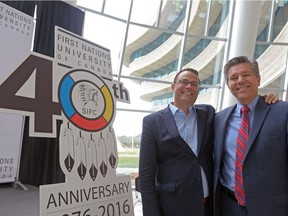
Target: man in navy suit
point(264, 167)
point(176, 163)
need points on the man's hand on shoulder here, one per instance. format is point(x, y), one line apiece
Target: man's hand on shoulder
point(270, 99)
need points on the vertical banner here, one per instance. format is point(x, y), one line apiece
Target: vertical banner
point(16, 32)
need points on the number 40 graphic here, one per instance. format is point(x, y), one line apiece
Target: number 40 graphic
point(16, 96)
point(41, 109)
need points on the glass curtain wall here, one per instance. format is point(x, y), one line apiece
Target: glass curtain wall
point(271, 47)
point(151, 40)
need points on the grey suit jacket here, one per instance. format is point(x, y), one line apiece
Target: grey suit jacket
point(169, 171)
point(265, 168)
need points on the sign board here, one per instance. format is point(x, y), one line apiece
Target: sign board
point(88, 147)
point(77, 87)
point(16, 33)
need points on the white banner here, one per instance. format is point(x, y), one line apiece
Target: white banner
point(16, 33)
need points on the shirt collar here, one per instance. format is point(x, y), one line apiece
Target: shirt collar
point(175, 109)
point(251, 105)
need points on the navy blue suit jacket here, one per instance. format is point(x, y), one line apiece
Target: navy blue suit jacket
point(265, 168)
point(169, 171)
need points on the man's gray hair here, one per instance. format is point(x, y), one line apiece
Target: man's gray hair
point(239, 60)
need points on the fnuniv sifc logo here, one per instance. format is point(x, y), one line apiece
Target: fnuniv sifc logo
point(86, 100)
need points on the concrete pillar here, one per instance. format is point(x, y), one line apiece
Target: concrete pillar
point(243, 36)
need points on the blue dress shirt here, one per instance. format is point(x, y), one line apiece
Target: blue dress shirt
point(188, 130)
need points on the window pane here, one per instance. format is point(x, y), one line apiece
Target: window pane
point(98, 29)
point(209, 96)
point(272, 64)
point(132, 124)
point(93, 5)
point(206, 56)
point(218, 18)
point(122, 8)
point(152, 54)
point(145, 12)
point(172, 15)
point(198, 17)
point(280, 21)
point(265, 15)
point(276, 87)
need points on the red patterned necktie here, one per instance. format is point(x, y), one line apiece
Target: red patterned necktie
point(242, 141)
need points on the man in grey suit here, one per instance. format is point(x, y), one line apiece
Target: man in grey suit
point(176, 163)
point(257, 183)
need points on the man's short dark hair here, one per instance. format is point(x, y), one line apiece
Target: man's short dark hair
point(185, 69)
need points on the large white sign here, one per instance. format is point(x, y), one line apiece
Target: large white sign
point(16, 31)
point(88, 148)
point(77, 87)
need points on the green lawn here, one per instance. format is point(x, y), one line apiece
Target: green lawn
point(128, 160)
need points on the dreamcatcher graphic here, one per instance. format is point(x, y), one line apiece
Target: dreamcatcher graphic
point(88, 144)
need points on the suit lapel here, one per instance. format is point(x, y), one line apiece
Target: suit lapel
point(169, 122)
point(260, 114)
point(220, 133)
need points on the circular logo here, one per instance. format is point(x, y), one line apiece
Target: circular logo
point(86, 100)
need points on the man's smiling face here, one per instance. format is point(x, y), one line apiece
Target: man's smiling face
point(185, 94)
point(243, 83)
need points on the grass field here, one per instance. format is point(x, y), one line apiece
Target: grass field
point(128, 160)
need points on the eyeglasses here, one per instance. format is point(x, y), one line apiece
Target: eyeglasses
point(186, 83)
